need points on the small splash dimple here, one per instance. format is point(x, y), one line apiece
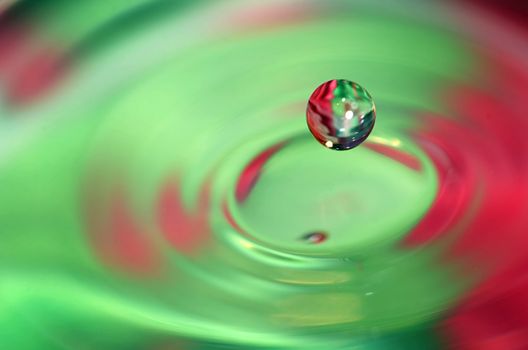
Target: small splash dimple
point(340, 114)
point(316, 237)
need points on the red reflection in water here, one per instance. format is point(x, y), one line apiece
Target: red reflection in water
point(31, 66)
point(118, 238)
point(186, 230)
point(483, 202)
point(251, 173)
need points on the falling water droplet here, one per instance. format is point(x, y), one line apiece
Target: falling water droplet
point(315, 237)
point(340, 114)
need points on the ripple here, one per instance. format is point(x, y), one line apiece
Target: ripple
point(188, 203)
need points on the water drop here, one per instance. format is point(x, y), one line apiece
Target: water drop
point(340, 114)
point(315, 237)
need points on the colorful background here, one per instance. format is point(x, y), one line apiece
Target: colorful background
point(158, 181)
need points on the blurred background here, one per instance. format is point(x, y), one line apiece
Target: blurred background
point(159, 187)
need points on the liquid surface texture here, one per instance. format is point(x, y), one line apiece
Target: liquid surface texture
point(160, 189)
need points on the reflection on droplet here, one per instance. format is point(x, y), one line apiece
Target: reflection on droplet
point(340, 114)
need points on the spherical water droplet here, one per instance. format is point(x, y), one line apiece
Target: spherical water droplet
point(315, 237)
point(340, 114)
